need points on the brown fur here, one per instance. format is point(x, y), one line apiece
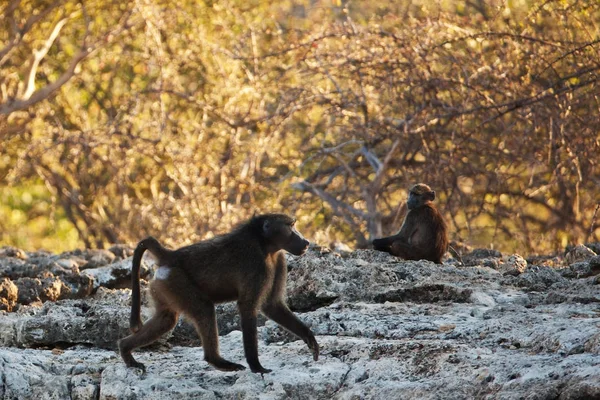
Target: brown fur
point(423, 235)
point(246, 265)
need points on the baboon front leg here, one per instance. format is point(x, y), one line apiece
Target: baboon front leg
point(281, 314)
point(205, 321)
point(383, 244)
point(163, 321)
point(248, 312)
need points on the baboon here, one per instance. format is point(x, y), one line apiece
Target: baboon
point(247, 265)
point(423, 235)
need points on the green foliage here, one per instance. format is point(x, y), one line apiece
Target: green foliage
point(29, 219)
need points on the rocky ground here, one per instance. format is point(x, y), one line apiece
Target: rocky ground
point(487, 326)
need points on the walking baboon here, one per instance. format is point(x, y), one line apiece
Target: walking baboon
point(423, 235)
point(247, 265)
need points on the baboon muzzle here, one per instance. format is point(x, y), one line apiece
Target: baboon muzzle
point(297, 245)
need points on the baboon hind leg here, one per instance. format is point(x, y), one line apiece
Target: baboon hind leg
point(202, 314)
point(163, 321)
point(407, 251)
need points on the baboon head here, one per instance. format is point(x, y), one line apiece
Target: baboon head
point(419, 195)
point(280, 233)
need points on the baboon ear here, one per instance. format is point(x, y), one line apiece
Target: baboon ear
point(432, 195)
point(266, 227)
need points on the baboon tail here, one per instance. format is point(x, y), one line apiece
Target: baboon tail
point(135, 320)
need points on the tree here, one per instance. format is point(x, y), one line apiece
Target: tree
point(181, 121)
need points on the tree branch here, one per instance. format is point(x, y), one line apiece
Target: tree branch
point(337, 206)
point(47, 91)
point(38, 55)
point(18, 34)
point(31, 96)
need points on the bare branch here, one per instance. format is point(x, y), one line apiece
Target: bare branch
point(37, 57)
point(18, 34)
point(593, 223)
point(86, 49)
point(46, 91)
point(371, 159)
point(376, 184)
point(340, 208)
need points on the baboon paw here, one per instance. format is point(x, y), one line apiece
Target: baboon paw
point(260, 370)
point(224, 365)
point(314, 347)
point(137, 365)
point(237, 367)
point(315, 354)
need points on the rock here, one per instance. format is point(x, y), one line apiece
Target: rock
point(8, 294)
point(349, 367)
point(581, 390)
point(459, 249)
point(546, 260)
point(426, 294)
point(11, 267)
point(594, 264)
point(488, 257)
point(317, 281)
point(76, 286)
point(483, 299)
point(116, 275)
point(10, 251)
point(293, 376)
point(582, 269)
point(540, 278)
point(592, 345)
point(69, 322)
point(340, 248)
point(513, 265)
point(98, 258)
point(595, 246)
point(71, 262)
point(387, 328)
point(35, 374)
point(579, 253)
point(121, 251)
point(484, 253)
point(31, 290)
point(85, 386)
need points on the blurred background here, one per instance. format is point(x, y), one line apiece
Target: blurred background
point(120, 119)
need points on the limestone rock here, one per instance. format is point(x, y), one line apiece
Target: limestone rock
point(579, 253)
point(486, 257)
point(387, 328)
point(10, 251)
point(98, 258)
point(8, 294)
point(116, 275)
point(513, 265)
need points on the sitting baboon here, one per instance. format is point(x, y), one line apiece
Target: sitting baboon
point(423, 235)
point(247, 265)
